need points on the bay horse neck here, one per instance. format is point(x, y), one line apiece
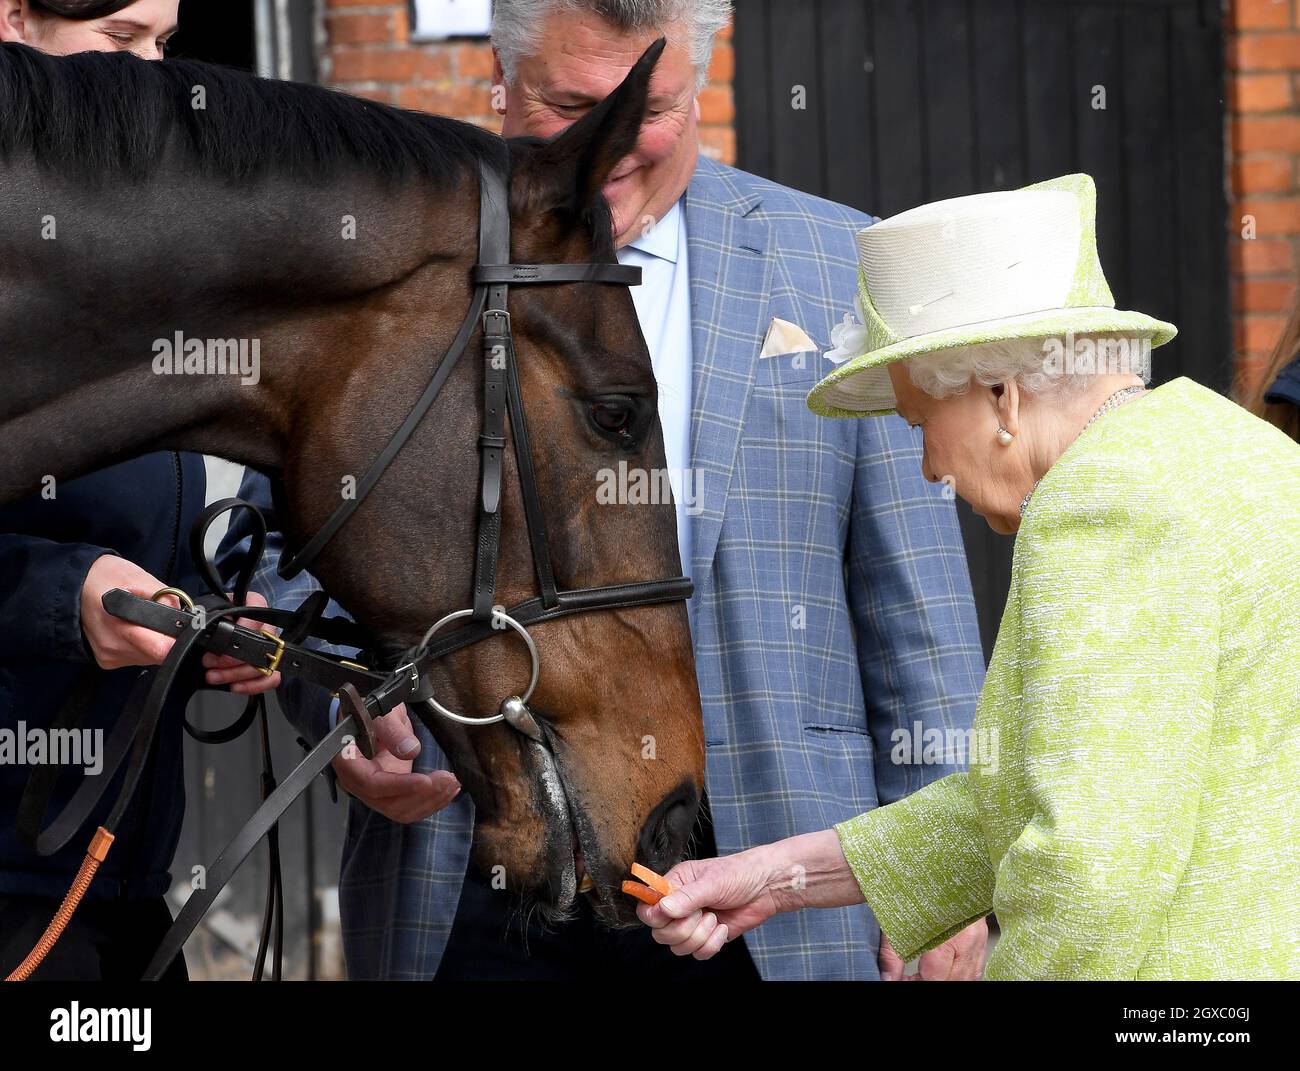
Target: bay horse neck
point(131, 360)
point(278, 250)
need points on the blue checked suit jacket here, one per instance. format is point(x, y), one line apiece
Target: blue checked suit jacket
point(832, 607)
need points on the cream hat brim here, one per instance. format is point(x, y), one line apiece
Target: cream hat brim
point(861, 386)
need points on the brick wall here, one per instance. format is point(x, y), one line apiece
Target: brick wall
point(1263, 82)
point(368, 51)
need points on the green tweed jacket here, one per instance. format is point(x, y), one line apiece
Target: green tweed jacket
point(1138, 815)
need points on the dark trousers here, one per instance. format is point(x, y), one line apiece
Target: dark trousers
point(489, 941)
point(106, 941)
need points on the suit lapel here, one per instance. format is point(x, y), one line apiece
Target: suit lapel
point(731, 275)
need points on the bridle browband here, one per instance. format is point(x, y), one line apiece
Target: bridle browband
point(364, 694)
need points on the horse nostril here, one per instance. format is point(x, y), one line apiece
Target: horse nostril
point(665, 833)
point(678, 819)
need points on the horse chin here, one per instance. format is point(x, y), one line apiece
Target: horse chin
point(550, 839)
point(557, 892)
point(571, 852)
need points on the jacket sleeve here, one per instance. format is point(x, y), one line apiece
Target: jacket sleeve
point(922, 864)
point(1119, 650)
point(1118, 627)
point(909, 593)
point(40, 598)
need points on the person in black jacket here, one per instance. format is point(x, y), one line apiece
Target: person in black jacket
point(123, 527)
point(1274, 395)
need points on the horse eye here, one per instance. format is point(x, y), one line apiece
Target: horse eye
point(614, 418)
point(610, 418)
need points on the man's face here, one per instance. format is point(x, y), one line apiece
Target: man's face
point(580, 60)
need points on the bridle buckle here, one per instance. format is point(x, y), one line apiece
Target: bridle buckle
point(275, 656)
point(186, 602)
point(501, 328)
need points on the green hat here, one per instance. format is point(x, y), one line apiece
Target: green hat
point(994, 267)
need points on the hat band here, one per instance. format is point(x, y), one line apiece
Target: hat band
point(1017, 317)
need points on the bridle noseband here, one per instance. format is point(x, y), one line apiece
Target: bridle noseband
point(502, 398)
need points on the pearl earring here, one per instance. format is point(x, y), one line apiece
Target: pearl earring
point(1005, 437)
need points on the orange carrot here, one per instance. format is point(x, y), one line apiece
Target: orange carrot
point(659, 884)
point(643, 893)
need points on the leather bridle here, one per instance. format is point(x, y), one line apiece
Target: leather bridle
point(493, 277)
point(364, 694)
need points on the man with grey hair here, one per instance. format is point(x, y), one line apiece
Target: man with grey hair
point(557, 58)
point(824, 674)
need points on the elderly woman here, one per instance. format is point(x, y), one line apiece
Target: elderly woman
point(1131, 811)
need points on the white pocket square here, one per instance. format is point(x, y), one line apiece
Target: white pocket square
point(785, 337)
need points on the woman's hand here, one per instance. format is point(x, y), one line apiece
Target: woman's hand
point(717, 900)
point(959, 959)
point(116, 643)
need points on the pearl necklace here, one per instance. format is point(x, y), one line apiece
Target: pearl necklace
point(1110, 403)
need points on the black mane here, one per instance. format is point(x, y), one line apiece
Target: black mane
point(96, 115)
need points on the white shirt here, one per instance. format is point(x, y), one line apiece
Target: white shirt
point(663, 308)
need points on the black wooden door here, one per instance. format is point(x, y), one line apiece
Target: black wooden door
point(910, 101)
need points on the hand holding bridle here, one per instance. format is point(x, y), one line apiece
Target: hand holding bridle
point(116, 643)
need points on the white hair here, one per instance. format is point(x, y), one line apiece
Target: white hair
point(517, 25)
point(1030, 362)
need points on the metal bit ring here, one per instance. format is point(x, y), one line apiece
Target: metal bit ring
point(498, 615)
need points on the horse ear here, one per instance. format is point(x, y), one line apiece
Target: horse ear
point(569, 171)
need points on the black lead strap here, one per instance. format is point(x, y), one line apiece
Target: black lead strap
point(223, 868)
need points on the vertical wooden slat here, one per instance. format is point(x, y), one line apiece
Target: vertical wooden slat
point(901, 121)
point(1204, 349)
point(996, 100)
point(950, 134)
point(793, 51)
point(1099, 132)
point(845, 93)
point(753, 87)
point(1047, 92)
point(1149, 154)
